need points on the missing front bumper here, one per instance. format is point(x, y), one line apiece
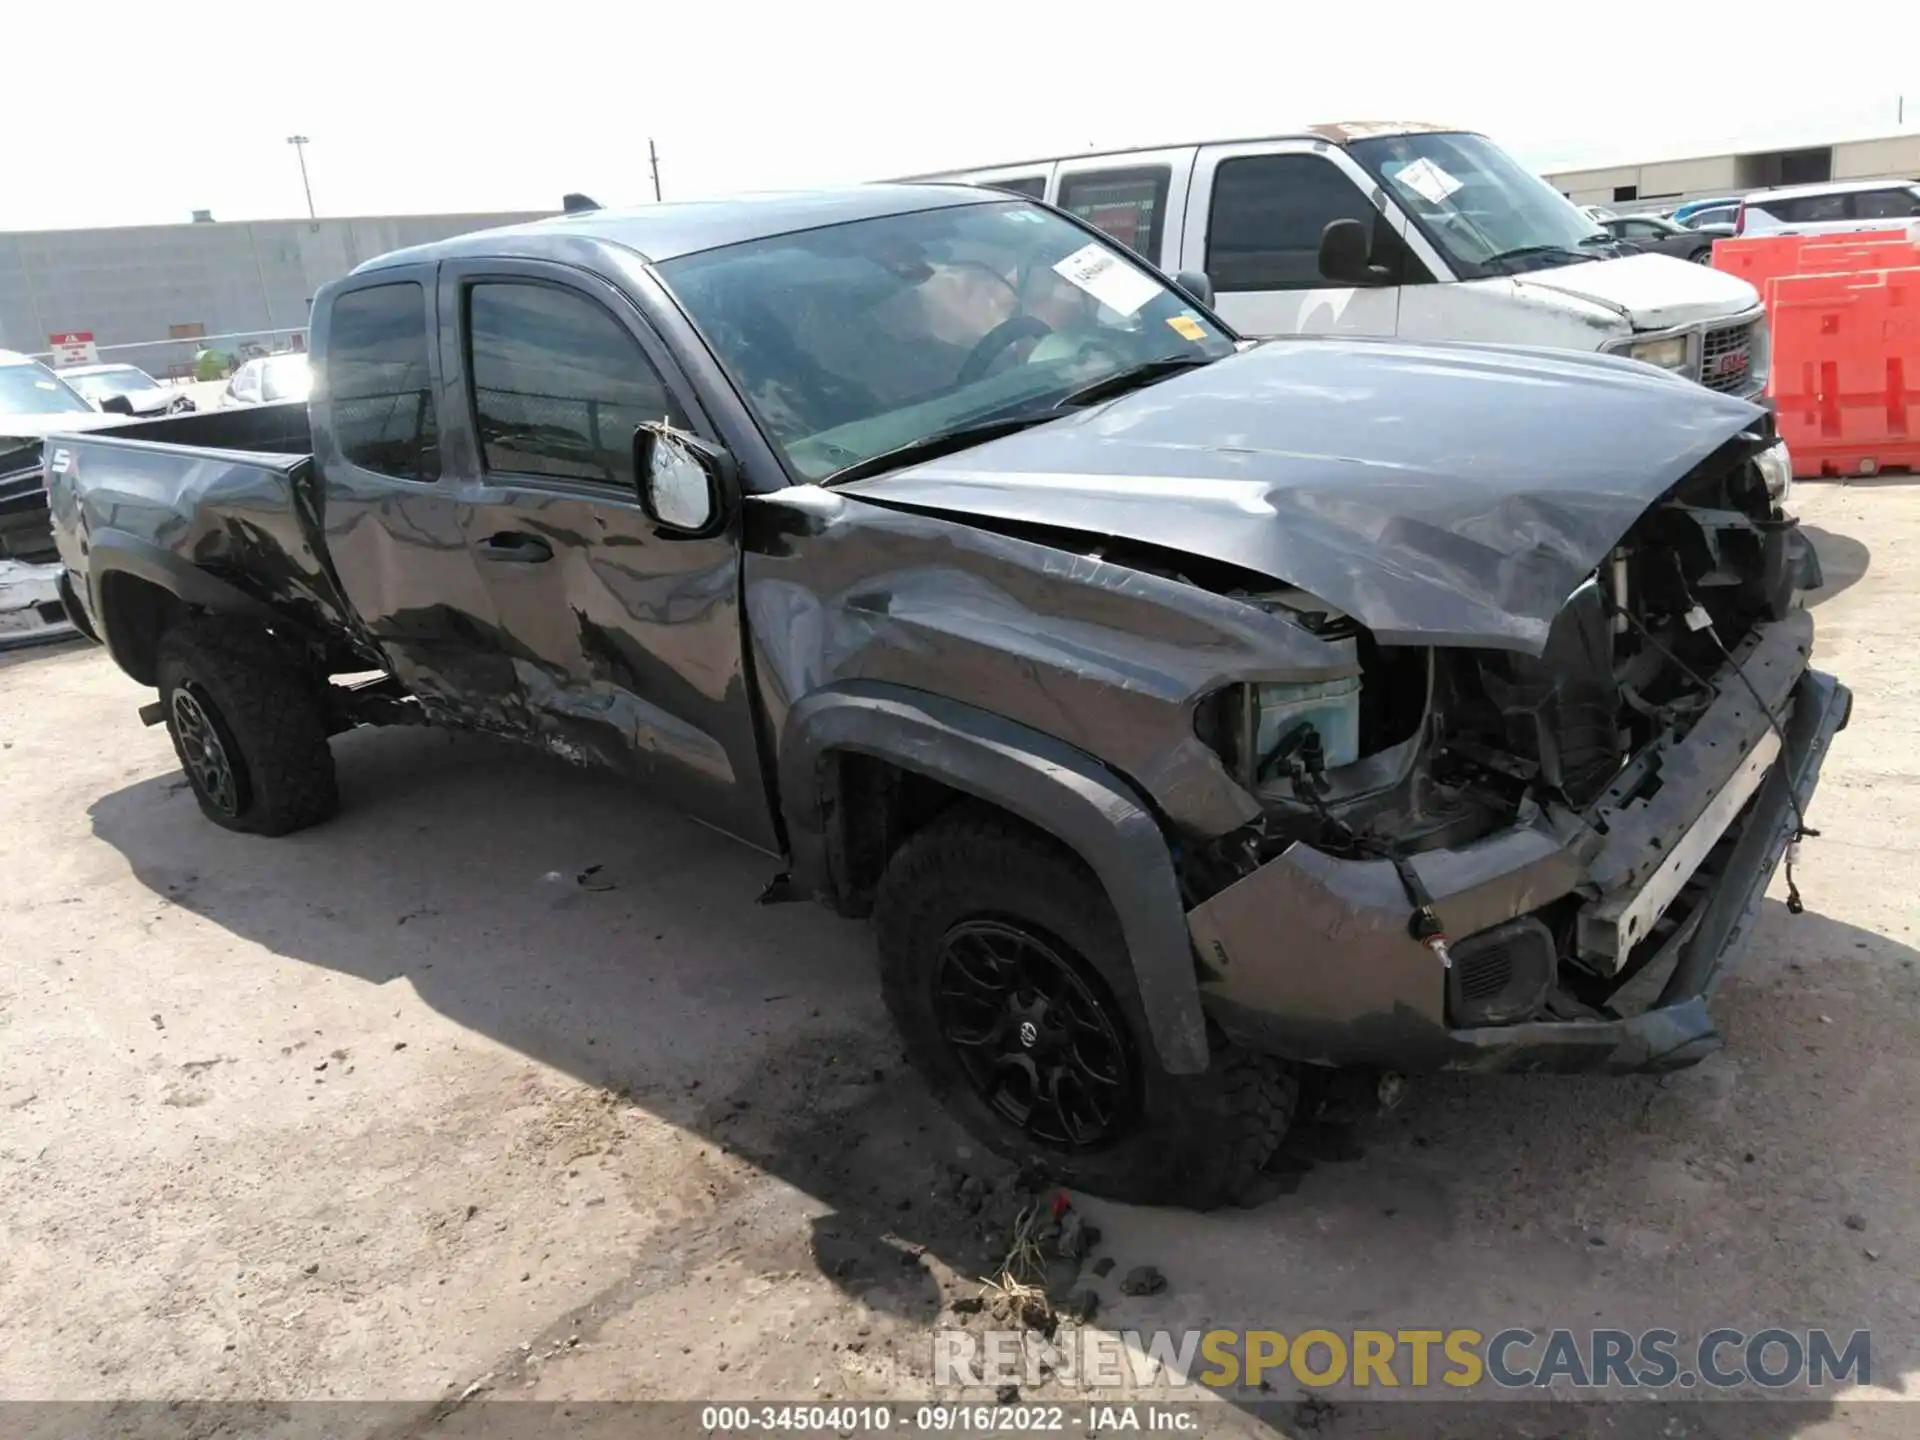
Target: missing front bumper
point(1310, 957)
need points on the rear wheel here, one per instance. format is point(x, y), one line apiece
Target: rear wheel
point(247, 722)
point(1006, 971)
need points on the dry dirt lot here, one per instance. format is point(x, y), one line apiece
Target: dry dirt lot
point(377, 1112)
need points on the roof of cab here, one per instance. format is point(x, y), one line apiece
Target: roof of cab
point(664, 231)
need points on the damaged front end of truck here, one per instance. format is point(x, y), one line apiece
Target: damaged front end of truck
point(1556, 730)
point(1510, 861)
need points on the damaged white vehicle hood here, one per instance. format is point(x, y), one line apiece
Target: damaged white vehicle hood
point(1650, 292)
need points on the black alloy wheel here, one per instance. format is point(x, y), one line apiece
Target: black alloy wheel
point(206, 751)
point(1035, 1036)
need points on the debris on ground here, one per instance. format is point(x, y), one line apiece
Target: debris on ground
point(1081, 1304)
point(1076, 1237)
point(1103, 1267)
point(1143, 1280)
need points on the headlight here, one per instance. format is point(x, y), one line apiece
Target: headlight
point(1668, 354)
point(1776, 468)
point(1760, 351)
point(1247, 724)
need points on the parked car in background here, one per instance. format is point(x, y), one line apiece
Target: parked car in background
point(1716, 219)
point(145, 396)
point(1406, 230)
point(269, 381)
point(1695, 213)
point(1658, 236)
point(1829, 209)
point(33, 402)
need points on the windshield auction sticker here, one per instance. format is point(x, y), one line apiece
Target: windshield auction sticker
point(1428, 180)
point(1107, 278)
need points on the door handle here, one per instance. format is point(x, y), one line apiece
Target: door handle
point(515, 546)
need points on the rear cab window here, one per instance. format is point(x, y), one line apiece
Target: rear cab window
point(1125, 205)
point(379, 386)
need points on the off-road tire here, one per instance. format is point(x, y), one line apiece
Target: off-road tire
point(267, 709)
point(1195, 1140)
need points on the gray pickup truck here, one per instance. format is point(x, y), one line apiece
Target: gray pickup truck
point(1192, 717)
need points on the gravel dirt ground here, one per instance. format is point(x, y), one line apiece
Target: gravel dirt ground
point(380, 1112)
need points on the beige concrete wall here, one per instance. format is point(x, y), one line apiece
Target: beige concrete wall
point(1888, 157)
point(1897, 155)
point(1711, 176)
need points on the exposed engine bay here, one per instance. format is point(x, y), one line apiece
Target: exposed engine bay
point(1424, 748)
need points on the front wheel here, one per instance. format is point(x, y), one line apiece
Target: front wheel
point(248, 725)
point(1006, 971)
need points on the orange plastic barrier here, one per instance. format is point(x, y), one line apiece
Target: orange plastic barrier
point(1757, 259)
point(1846, 368)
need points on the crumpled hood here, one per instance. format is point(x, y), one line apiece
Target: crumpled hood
point(1441, 495)
point(1652, 292)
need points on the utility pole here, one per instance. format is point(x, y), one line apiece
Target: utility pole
point(653, 159)
point(299, 143)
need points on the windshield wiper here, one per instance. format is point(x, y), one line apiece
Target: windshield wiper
point(1130, 378)
point(1528, 252)
point(941, 442)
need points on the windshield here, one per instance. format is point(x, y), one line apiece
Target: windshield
point(1486, 211)
point(285, 377)
point(103, 383)
point(32, 389)
point(856, 340)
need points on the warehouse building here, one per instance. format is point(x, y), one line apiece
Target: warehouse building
point(1667, 182)
point(153, 295)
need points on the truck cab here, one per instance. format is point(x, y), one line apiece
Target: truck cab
point(1404, 230)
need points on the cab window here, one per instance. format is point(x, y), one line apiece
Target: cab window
point(379, 390)
point(1124, 205)
point(1886, 204)
point(559, 386)
point(1268, 215)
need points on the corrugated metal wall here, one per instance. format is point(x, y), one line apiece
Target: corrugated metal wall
point(132, 285)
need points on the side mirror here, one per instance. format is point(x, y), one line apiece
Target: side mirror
point(117, 405)
point(681, 480)
point(1346, 255)
point(1197, 285)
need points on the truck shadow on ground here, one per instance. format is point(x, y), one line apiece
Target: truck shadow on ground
point(1843, 562)
point(456, 865)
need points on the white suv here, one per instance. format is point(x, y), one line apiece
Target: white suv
point(1832, 208)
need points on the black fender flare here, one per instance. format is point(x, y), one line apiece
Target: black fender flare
point(111, 552)
point(1046, 782)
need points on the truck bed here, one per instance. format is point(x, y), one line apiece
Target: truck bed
point(216, 504)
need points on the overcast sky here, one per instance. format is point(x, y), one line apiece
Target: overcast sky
point(126, 113)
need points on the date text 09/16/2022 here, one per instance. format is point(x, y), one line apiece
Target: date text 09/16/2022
point(976, 1419)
